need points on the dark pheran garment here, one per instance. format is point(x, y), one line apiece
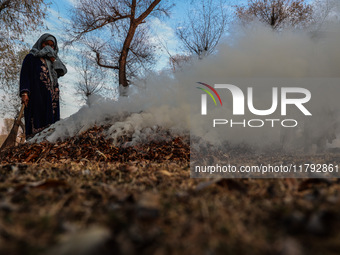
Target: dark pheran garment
point(43, 107)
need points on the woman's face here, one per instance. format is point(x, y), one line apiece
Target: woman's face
point(49, 43)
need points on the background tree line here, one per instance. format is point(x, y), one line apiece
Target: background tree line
point(116, 35)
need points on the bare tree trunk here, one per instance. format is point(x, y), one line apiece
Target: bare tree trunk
point(123, 56)
point(119, 15)
point(134, 23)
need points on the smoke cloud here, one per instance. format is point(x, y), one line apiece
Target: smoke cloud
point(255, 57)
point(260, 58)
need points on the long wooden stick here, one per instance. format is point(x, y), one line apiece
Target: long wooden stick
point(12, 137)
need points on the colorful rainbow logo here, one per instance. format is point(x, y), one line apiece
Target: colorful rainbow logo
point(209, 93)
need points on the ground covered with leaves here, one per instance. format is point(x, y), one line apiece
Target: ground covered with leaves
point(86, 196)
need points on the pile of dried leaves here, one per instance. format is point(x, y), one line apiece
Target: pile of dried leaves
point(101, 199)
point(92, 145)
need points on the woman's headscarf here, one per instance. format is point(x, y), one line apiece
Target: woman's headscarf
point(57, 68)
point(45, 37)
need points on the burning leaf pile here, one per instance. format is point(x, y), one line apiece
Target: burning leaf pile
point(92, 146)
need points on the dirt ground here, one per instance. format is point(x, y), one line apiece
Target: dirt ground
point(102, 204)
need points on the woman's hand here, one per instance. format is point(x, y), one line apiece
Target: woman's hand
point(24, 99)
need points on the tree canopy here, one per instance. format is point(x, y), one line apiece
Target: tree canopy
point(205, 24)
point(276, 13)
point(116, 31)
point(17, 18)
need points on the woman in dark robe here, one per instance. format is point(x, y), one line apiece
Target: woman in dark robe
point(39, 88)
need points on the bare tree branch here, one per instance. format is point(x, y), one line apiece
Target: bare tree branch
point(91, 78)
point(202, 31)
point(276, 13)
point(123, 22)
point(17, 18)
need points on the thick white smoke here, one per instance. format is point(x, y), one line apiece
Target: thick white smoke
point(262, 59)
point(256, 54)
